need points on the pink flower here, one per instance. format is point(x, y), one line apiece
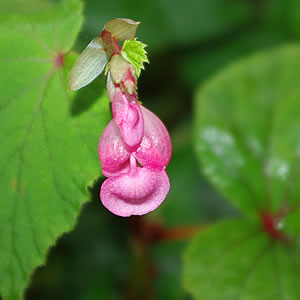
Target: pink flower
point(134, 150)
point(135, 147)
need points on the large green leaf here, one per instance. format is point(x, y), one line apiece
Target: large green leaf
point(235, 260)
point(49, 141)
point(247, 127)
point(91, 262)
point(24, 6)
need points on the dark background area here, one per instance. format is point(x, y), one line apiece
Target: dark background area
point(108, 257)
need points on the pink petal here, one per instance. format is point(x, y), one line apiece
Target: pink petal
point(113, 152)
point(129, 118)
point(156, 148)
point(135, 193)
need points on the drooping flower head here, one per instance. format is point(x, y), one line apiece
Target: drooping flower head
point(138, 182)
point(135, 147)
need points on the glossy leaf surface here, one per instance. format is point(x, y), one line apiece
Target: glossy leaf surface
point(247, 130)
point(236, 260)
point(247, 127)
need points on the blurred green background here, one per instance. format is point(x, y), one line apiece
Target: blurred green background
point(108, 257)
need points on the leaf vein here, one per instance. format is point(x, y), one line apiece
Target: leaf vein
point(252, 267)
point(19, 150)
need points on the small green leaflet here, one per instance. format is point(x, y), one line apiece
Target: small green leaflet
point(49, 139)
point(134, 52)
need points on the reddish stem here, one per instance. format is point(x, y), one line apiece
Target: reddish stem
point(152, 232)
point(110, 43)
point(146, 233)
point(58, 60)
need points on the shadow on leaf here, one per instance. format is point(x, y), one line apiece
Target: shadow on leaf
point(86, 97)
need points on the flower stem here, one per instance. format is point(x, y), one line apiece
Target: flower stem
point(110, 43)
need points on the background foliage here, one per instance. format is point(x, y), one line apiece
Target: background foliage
point(216, 95)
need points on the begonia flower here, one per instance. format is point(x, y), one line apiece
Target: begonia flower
point(135, 147)
point(130, 189)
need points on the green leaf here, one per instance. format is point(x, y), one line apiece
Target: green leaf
point(49, 139)
point(247, 127)
point(235, 260)
point(134, 52)
point(98, 244)
point(24, 6)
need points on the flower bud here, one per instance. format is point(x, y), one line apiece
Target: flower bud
point(123, 72)
point(122, 29)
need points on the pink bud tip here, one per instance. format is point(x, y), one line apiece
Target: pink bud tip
point(129, 118)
